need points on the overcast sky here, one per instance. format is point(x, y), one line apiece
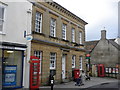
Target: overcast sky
point(97, 13)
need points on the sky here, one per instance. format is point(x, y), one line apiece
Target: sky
point(99, 14)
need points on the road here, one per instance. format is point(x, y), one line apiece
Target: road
point(105, 86)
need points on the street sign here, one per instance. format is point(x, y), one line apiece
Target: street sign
point(29, 38)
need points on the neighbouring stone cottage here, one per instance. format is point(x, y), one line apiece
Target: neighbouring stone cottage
point(106, 52)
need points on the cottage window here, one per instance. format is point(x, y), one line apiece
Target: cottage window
point(64, 31)
point(73, 35)
point(80, 37)
point(80, 59)
point(52, 60)
point(38, 22)
point(73, 61)
point(2, 17)
point(53, 27)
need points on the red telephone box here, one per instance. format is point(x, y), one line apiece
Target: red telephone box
point(34, 72)
point(101, 70)
point(76, 73)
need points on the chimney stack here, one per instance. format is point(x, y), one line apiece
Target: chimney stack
point(103, 34)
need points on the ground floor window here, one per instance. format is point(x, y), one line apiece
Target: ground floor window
point(38, 54)
point(52, 60)
point(80, 59)
point(12, 68)
point(73, 61)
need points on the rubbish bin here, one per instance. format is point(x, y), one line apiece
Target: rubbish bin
point(76, 73)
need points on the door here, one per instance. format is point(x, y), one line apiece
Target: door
point(63, 66)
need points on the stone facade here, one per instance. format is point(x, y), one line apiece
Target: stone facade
point(104, 51)
point(48, 44)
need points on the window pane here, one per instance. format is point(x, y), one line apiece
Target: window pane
point(52, 60)
point(53, 27)
point(12, 59)
point(38, 22)
point(80, 37)
point(73, 35)
point(63, 31)
point(1, 12)
point(73, 61)
point(80, 62)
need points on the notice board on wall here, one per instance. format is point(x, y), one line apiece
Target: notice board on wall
point(10, 75)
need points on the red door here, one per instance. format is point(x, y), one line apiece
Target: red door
point(34, 72)
point(101, 70)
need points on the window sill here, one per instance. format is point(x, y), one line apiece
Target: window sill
point(53, 37)
point(64, 40)
point(34, 32)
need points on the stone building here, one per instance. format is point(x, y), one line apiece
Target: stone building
point(104, 51)
point(58, 40)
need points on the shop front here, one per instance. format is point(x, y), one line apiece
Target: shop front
point(12, 58)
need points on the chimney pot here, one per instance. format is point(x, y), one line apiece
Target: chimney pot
point(103, 34)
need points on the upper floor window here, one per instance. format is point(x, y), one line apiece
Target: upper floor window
point(2, 17)
point(80, 37)
point(38, 22)
point(80, 60)
point(53, 27)
point(73, 35)
point(64, 31)
point(52, 60)
point(73, 61)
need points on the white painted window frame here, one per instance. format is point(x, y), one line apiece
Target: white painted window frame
point(52, 60)
point(81, 61)
point(53, 27)
point(38, 22)
point(3, 19)
point(73, 34)
point(38, 54)
point(80, 37)
point(64, 27)
point(73, 61)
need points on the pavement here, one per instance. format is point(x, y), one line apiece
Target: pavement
point(89, 83)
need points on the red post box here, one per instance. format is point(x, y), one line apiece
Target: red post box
point(76, 73)
point(34, 72)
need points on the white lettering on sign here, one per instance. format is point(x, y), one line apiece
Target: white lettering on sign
point(10, 68)
point(7, 47)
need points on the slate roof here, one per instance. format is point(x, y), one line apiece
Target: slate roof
point(90, 45)
point(114, 44)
